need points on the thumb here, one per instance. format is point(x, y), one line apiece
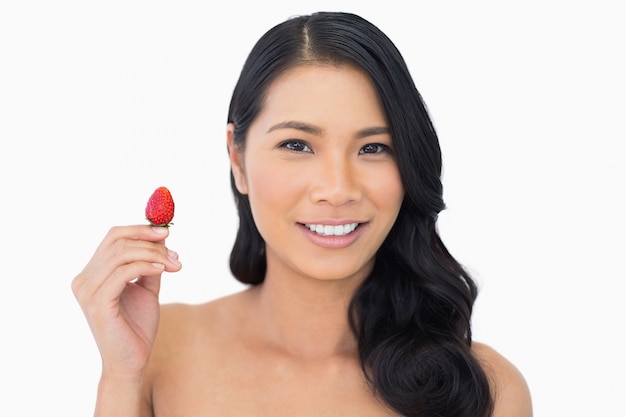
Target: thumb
point(151, 283)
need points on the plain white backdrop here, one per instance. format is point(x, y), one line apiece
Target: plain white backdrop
point(101, 102)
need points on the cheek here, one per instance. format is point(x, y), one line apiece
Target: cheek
point(271, 190)
point(386, 189)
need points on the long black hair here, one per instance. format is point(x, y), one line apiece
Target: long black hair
point(411, 316)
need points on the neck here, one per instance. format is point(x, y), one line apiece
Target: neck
point(305, 317)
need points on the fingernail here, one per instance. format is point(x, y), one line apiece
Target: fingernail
point(173, 256)
point(160, 230)
point(158, 265)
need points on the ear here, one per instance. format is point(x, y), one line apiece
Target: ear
point(235, 154)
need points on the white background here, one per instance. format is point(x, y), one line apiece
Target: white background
point(101, 102)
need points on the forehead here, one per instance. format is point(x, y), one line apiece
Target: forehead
point(324, 94)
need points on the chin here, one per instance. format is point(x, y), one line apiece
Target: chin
point(332, 273)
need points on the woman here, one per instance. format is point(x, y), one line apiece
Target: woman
point(355, 306)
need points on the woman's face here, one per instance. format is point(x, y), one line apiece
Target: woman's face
point(320, 174)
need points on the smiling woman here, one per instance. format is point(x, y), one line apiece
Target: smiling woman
point(311, 162)
point(355, 306)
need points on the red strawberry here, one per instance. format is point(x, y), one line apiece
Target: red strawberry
point(160, 208)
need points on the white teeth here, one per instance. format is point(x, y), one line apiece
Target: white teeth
point(329, 230)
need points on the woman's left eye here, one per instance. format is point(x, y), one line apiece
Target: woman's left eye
point(374, 148)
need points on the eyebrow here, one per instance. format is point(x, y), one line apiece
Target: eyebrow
point(304, 127)
point(314, 130)
point(372, 131)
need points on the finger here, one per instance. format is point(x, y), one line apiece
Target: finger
point(153, 283)
point(174, 264)
point(126, 234)
point(123, 251)
point(114, 285)
point(113, 265)
point(135, 232)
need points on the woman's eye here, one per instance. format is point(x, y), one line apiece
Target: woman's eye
point(374, 148)
point(296, 146)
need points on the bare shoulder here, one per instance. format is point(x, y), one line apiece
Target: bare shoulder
point(186, 328)
point(189, 340)
point(179, 321)
point(509, 387)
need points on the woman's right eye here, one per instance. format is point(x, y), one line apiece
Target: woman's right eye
point(295, 146)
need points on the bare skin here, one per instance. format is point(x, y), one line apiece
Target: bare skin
point(220, 359)
point(260, 352)
point(285, 347)
point(223, 359)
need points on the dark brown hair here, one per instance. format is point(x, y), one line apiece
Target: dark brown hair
point(411, 316)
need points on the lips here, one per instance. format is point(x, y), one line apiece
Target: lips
point(333, 236)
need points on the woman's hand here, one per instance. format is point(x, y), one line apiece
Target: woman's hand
point(118, 292)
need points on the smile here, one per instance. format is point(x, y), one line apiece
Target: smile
point(332, 230)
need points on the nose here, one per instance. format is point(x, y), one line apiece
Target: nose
point(335, 182)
